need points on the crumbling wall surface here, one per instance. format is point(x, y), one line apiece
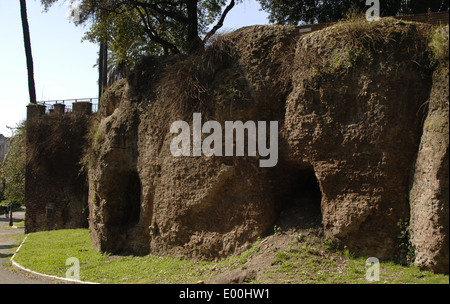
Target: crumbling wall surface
point(354, 114)
point(55, 185)
point(204, 207)
point(429, 192)
point(348, 101)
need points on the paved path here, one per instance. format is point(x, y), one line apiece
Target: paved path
point(8, 244)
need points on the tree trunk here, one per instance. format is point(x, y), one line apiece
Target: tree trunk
point(102, 69)
point(29, 56)
point(105, 67)
point(194, 42)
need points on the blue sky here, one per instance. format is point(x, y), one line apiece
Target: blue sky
point(63, 64)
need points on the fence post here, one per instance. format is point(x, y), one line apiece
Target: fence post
point(35, 110)
point(59, 108)
point(82, 107)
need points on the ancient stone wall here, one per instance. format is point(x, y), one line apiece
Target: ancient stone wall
point(429, 192)
point(55, 184)
point(349, 102)
point(353, 116)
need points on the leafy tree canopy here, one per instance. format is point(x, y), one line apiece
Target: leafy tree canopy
point(317, 11)
point(135, 27)
point(12, 171)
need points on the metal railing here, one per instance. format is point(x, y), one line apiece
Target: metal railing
point(49, 104)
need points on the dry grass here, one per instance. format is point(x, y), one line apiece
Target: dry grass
point(54, 143)
point(186, 81)
point(356, 42)
point(439, 44)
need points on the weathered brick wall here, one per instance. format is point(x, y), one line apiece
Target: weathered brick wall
point(56, 193)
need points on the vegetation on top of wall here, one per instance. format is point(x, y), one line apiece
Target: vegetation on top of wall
point(54, 143)
point(439, 43)
point(360, 43)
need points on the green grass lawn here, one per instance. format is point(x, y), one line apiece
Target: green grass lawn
point(46, 252)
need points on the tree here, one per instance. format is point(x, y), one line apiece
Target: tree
point(319, 11)
point(2, 183)
point(28, 54)
point(133, 28)
point(12, 173)
point(170, 26)
point(122, 42)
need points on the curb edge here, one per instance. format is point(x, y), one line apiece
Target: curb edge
point(15, 264)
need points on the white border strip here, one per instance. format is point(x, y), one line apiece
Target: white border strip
point(42, 274)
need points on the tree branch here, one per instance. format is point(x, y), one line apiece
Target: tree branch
point(175, 16)
point(220, 23)
point(151, 33)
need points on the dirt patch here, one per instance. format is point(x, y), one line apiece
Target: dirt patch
point(292, 256)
